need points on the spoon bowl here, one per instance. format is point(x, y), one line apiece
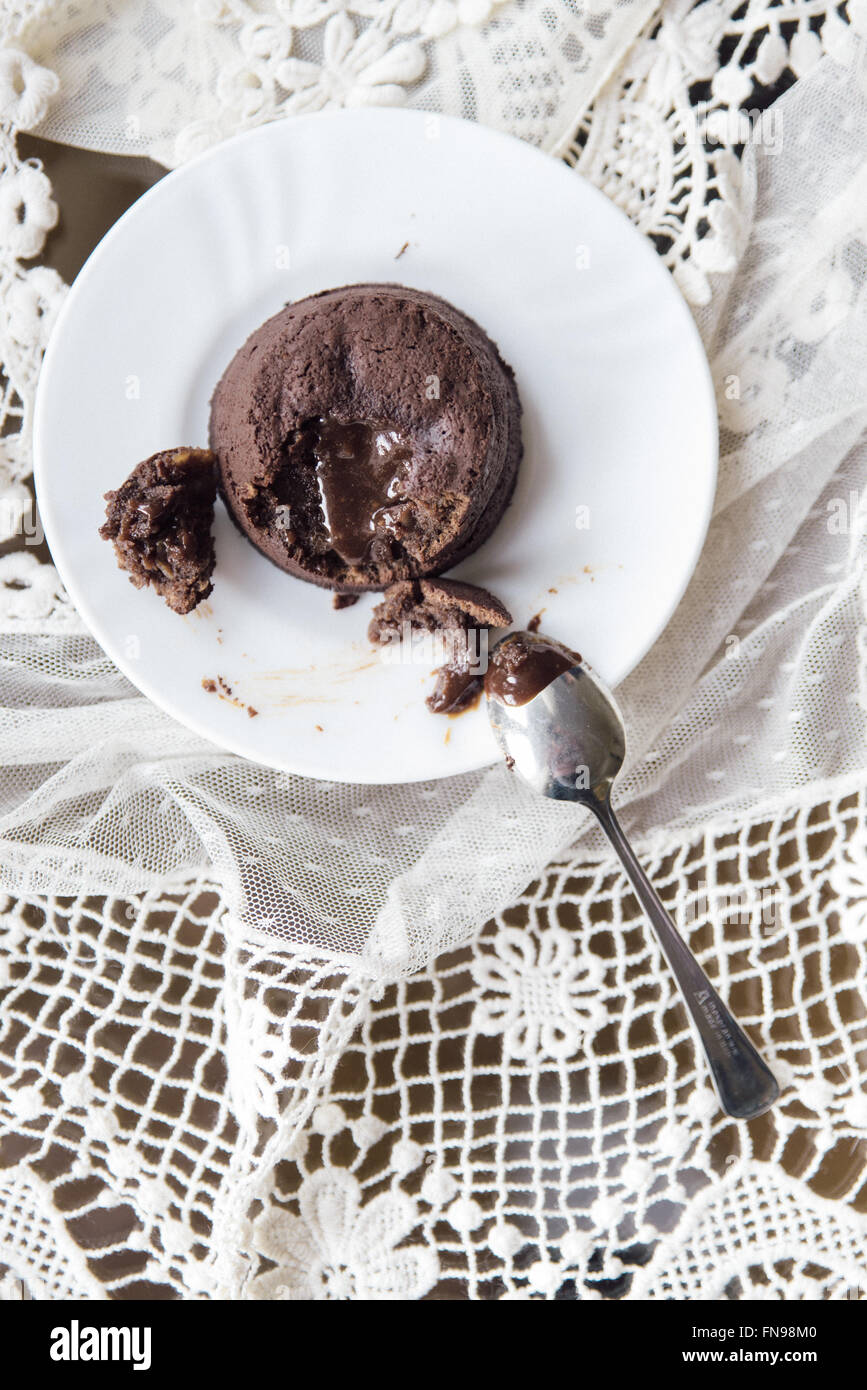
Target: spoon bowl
point(567, 742)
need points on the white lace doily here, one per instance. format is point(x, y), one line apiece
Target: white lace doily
point(391, 1103)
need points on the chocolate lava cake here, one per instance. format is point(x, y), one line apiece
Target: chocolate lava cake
point(160, 523)
point(366, 435)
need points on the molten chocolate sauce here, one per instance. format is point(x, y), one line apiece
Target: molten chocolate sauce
point(522, 666)
point(361, 471)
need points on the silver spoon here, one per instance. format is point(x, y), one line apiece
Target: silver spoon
point(561, 731)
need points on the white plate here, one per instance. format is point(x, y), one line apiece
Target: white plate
point(619, 419)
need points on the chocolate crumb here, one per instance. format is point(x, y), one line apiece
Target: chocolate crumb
point(344, 600)
point(534, 623)
point(454, 610)
point(510, 761)
point(221, 687)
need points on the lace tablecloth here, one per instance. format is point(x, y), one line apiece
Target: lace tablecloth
point(193, 1108)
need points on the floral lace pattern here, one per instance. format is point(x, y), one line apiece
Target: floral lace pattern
point(522, 65)
point(664, 137)
point(31, 298)
point(339, 1249)
point(538, 992)
point(814, 1254)
point(439, 1163)
point(527, 1118)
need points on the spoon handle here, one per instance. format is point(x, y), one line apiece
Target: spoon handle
point(744, 1083)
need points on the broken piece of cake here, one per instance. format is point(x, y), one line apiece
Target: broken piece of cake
point(459, 613)
point(160, 523)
